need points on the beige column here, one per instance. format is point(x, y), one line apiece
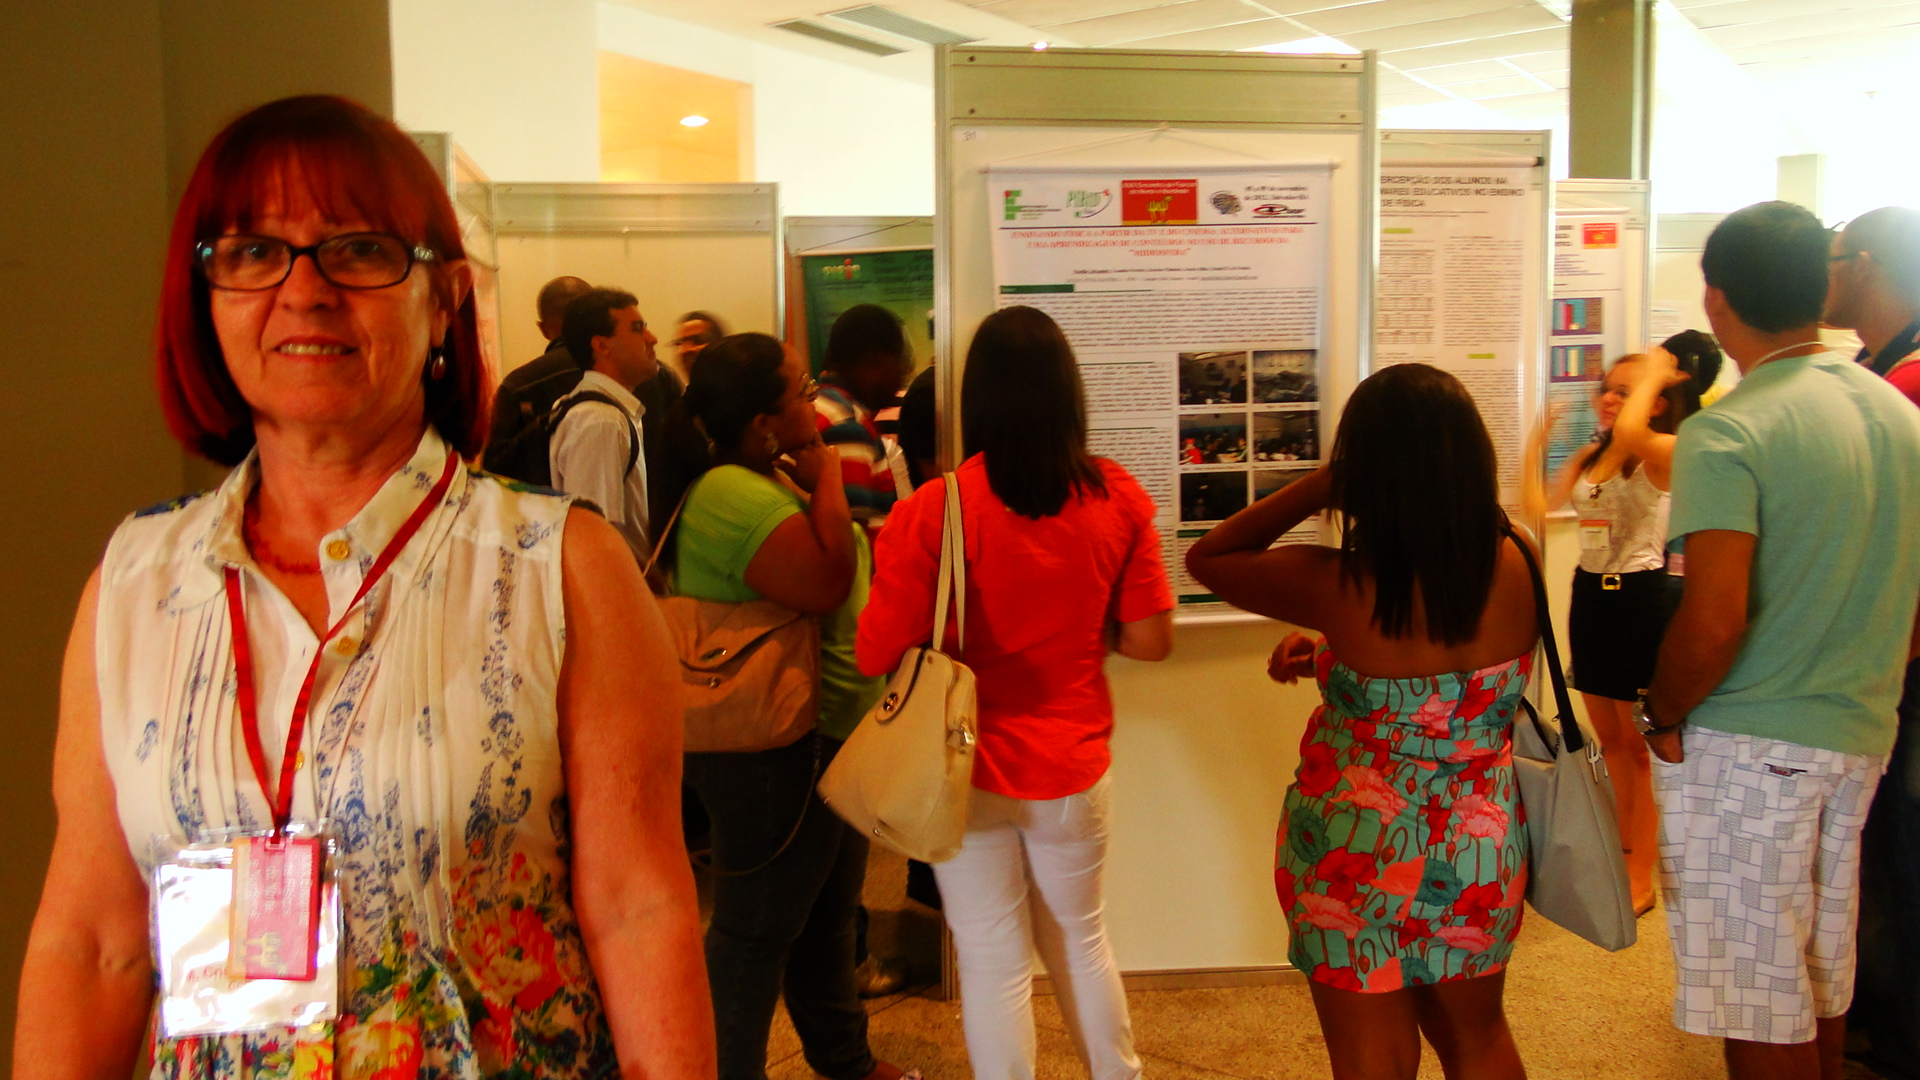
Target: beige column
point(1610, 89)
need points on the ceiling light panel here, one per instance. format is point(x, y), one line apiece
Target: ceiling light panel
point(1490, 26)
point(1821, 24)
point(1225, 38)
point(1160, 21)
point(1051, 12)
point(837, 37)
point(1461, 52)
point(879, 18)
point(1380, 14)
point(1452, 74)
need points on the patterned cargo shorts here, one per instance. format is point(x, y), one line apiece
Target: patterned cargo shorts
point(1760, 871)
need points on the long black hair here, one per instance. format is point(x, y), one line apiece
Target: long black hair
point(1413, 478)
point(1023, 406)
point(1698, 357)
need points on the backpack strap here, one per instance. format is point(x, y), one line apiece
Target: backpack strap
point(566, 404)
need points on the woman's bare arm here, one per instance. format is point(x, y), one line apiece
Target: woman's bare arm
point(1150, 638)
point(632, 887)
point(1536, 498)
point(1633, 429)
point(86, 987)
point(1237, 561)
point(807, 562)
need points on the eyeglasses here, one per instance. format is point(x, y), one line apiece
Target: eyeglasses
point(809, 389)
point(361, 260)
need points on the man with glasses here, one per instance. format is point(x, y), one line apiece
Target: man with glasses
point(595, 451)
point(697, 330)
point(1873, 289)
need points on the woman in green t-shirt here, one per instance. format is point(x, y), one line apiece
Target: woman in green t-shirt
point(768, 519)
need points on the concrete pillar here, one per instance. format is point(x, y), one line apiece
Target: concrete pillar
point(109, 102)
point(1610, 89)
point(1802, 179)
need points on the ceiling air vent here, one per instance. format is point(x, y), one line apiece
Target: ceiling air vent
point(827, 33)
point(893, 22)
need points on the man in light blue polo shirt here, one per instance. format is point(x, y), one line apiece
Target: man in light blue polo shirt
point(1796, 498)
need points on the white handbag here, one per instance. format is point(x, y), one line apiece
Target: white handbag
point(1577, 873)
point(906, 773)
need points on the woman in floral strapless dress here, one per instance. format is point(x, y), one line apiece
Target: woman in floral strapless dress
point(1402, 852)
point(1402, 855)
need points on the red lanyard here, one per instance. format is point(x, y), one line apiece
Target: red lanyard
point(282, 796)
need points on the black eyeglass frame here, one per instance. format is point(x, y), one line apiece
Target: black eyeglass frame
point(203, 250)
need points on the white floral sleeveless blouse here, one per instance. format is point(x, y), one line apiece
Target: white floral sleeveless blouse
point(432, 746)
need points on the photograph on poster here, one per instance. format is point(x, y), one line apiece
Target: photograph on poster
point(1268, 481)
point(1212, 496)
point(1213, 438)
point(1284, 376)
point(1581, 315)
point(1286, 436)
point(1578, 362)
point(1213, 378)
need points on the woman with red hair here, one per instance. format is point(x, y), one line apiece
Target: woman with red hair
point(344, 680)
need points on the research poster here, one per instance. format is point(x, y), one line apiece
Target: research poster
point(1587, 326)
point(898, 279)
point(1452, 288)
point(1195, 301)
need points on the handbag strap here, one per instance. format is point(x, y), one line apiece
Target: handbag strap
point(660, 543)
point(1570, 733)
point(953, 569)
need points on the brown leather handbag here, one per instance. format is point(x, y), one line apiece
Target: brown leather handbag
point(751, 671)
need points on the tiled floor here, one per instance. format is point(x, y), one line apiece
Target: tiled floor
point(1576, 1012)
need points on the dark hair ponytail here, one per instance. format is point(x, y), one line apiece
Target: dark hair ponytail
point(1698, 357)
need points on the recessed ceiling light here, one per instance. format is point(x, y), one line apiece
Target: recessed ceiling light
point(693, 121)
point(1039, 46)
point(1307, 46)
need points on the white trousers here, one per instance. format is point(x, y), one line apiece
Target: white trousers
point(1028, 877)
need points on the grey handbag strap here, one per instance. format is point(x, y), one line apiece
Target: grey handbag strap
point(953, 571)
point(1570, 732)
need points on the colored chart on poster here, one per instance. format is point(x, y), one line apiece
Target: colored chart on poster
point(1195, 302)
point(1587, 331)
point(1453, 286)
point(898, 279)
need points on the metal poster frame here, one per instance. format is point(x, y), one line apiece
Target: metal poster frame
point(1198, 737)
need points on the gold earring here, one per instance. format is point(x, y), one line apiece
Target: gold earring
point(773, 444)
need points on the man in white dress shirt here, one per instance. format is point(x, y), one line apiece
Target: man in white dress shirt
point(595, 450)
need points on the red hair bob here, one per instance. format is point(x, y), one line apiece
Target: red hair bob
point(355, 164)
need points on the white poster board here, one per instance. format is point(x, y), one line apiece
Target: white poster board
point(1204, 744)
point(1600, 309)
point(1463, 271)
point(1195, 302)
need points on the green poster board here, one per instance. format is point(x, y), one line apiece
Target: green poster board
point(898, 279)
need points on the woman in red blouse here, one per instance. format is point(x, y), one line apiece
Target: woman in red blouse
point(1063, 566)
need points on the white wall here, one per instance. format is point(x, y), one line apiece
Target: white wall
point(516, 82)
point(839, 139)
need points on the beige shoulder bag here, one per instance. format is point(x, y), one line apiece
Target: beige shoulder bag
point(751, 671)
point(906, 773)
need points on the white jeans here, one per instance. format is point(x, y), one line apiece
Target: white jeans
point(1029, 876)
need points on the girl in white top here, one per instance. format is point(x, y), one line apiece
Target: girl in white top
point(1622, 591)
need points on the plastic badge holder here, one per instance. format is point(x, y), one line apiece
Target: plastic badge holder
point(193, 886)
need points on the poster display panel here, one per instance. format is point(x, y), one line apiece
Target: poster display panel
point(1453, 287)
point(898, 279)
point(1195, 301)
point(1588, 324)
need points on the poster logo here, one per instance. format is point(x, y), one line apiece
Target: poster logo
point(1226, 202)
point(1086, 204)
point(1600, 234)
point(1159, 202)
point(845, 271)
point(1275, 211)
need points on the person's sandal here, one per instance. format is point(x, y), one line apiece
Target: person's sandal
point(876, 977)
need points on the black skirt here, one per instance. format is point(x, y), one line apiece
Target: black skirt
point(1615, 632)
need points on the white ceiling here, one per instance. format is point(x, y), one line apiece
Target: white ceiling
point(1509, 56)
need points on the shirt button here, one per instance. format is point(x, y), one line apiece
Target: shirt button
point(346, 646)
point(338, 550)
point(300, 760)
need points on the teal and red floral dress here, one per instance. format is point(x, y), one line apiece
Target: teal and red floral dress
point(1402, 852)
